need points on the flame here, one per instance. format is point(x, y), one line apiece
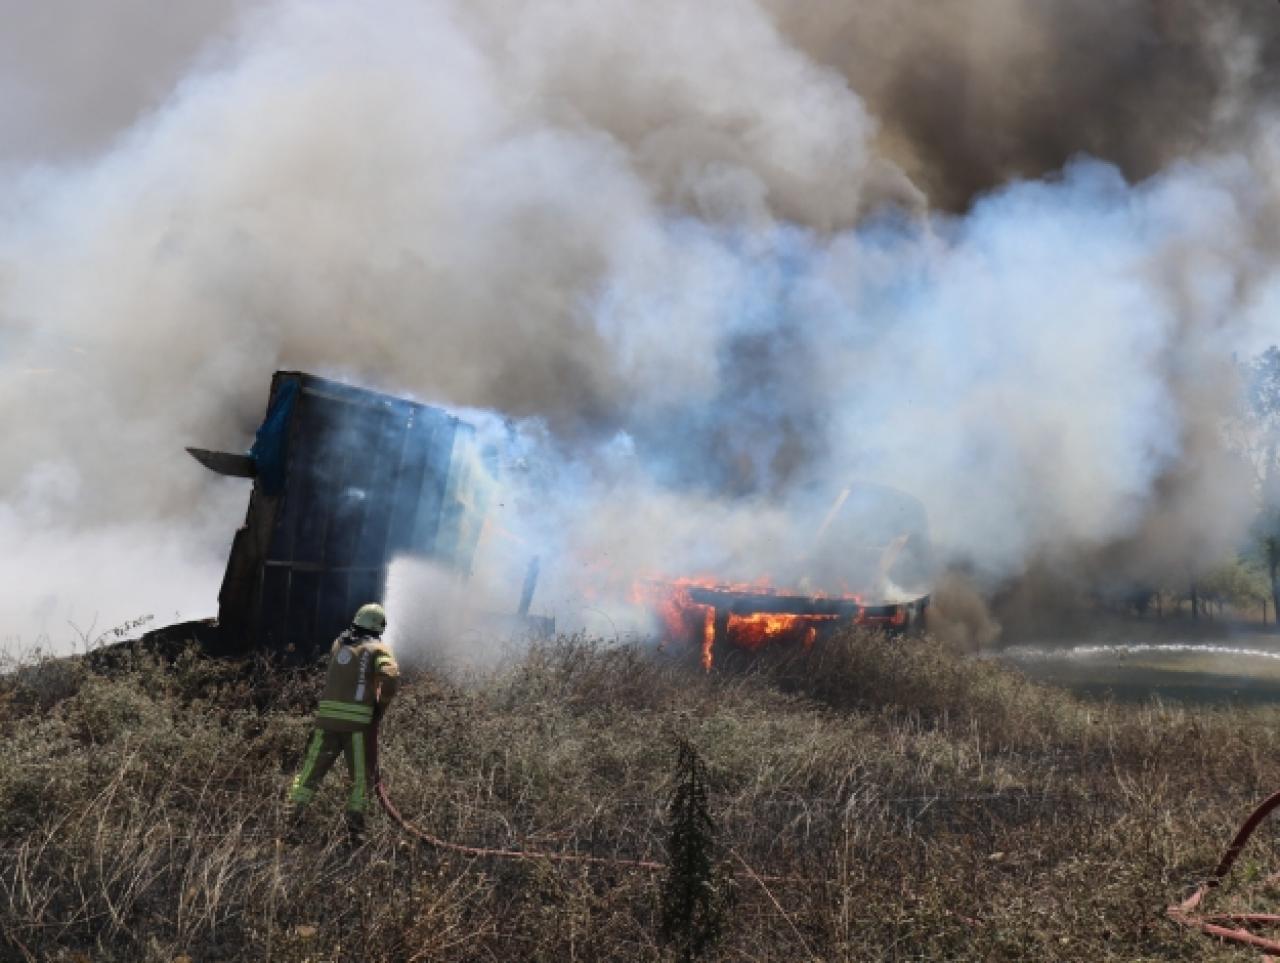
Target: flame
point(684, 620)
point(753, 632)
point(681, 617)
point(708, 637)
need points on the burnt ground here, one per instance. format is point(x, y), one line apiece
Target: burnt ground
point(875, 800)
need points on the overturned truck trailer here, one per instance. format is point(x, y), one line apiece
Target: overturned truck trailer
point(344, 481)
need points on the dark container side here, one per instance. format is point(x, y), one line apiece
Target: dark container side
point(348, 480)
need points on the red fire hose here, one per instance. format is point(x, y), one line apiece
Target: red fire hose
point(648, 865)
point(444, 844)
point(1219, 924)
point(1184, 914)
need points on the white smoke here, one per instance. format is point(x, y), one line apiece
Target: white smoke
point(668, 243)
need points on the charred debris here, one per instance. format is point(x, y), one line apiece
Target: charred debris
point(869, 564)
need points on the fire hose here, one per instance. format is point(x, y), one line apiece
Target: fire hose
point(648, 865)
point(1229, 927)
point(493, 853)
point(1184, 914)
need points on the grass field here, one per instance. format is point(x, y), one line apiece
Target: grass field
point(873, 801)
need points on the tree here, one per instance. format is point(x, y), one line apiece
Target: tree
point(1236, 583)
point(1267, 535)
point(1263, 396)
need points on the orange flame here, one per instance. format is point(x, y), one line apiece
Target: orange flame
point(708, 637)
point(684, 620)
point(753, 632)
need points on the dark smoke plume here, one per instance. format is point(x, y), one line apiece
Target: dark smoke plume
point(974, 93)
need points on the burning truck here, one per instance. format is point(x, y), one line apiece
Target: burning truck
point(869, 564)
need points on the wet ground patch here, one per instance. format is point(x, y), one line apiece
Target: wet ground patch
point(1231, 671)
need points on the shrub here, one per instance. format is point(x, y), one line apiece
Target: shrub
point(693, 902)
point(36, 688)
point(105, 709)
point(929, 681)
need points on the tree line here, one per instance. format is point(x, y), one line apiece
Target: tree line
point(1249, 580)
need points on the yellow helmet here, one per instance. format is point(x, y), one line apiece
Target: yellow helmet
point(372, 618)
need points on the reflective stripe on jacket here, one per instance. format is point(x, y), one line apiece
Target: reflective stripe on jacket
point(362, 674)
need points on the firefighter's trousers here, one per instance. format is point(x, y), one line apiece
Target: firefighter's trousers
point(322, 752)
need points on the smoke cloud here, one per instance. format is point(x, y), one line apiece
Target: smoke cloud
point(71, 80)
point(974, 93)
point(705, 264)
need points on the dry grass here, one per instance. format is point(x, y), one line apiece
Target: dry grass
point(875, 801)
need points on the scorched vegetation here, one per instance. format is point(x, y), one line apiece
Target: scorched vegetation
point(868, 801)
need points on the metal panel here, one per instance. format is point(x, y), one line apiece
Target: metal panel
point(422, 536)
point(368, 477)
point(417, 489)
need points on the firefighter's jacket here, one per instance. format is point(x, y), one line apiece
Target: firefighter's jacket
point(363, 675)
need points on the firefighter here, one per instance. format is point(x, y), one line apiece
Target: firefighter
point(361, 681)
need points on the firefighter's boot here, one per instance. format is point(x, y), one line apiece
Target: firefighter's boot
point(356, 829)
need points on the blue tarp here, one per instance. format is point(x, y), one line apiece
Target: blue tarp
point(270, 444)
